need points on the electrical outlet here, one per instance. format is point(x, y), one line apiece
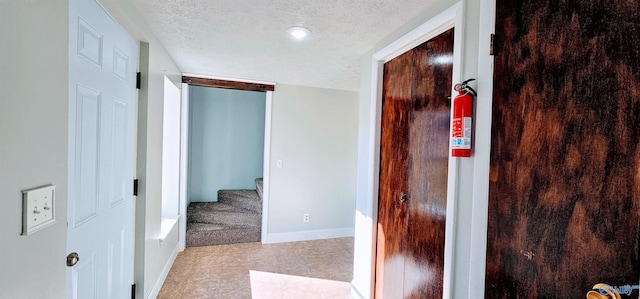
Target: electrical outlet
point(305, 218)
point(38, 209)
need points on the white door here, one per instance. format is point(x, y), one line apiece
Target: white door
point(102, 109)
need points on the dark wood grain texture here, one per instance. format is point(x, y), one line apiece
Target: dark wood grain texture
point(206, 82)
point(394, 142)
point(414, 161)
point(428, 167)
point(564, 193)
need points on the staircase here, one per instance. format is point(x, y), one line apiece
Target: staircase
point(235, 218)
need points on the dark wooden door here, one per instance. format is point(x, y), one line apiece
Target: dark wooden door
point(564, 193)
point(413, 171)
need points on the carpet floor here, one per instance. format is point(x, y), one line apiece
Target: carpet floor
point(226, 271)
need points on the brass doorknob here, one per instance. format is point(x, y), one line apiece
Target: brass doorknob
point(72, 259)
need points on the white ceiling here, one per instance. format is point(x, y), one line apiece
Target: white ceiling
point(247, 39)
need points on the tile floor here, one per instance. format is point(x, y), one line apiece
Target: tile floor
point(231, 271)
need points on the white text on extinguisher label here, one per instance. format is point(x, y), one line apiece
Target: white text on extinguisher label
point(461, 133)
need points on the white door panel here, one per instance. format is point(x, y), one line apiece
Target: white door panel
point(102, 66)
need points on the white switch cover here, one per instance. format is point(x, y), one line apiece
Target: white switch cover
point(279, 163)
point(38, 209)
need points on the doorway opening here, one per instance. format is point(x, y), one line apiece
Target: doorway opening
point(226, 144)
point(364, 283)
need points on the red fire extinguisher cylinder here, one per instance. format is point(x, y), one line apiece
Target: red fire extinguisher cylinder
point(462, 120)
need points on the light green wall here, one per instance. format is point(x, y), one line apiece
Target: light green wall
point(314, 133)
point(226, 140)
point(33, 143)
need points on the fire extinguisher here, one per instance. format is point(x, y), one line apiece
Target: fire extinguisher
point(462, 119)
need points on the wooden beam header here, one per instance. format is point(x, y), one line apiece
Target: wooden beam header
point(206, 82)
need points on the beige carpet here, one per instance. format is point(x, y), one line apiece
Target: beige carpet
point(223, 271)
point(266, 285)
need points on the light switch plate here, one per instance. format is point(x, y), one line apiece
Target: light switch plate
point(38, 209)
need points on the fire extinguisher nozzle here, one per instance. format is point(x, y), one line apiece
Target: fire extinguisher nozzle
point(467, 81)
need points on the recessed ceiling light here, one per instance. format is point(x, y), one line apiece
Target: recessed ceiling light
point(298, 32)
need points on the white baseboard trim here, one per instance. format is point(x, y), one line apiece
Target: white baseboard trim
point(355, 293)
point(309, 235)
point(165, 272)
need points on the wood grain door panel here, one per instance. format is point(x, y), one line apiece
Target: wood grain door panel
point(413, 171)
point(394, 141)
point(564, 192)
point(428, 167)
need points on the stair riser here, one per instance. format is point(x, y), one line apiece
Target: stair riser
point(219, 237)
point(239, 193)
point(259, 187)
point(243, 203)
point(222, 218)
point(244, 199)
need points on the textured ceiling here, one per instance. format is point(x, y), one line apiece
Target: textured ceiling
point(247, 38)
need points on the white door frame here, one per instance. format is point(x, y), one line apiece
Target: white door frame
point(483, 114)
point(266, 169)
point(184, 140)
point(449, 18)
point(184, 163)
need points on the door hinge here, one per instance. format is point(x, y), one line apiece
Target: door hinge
point(138, 79)
point(133, 291)
point(491, 51)
point(135, 187)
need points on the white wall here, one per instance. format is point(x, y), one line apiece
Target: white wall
point(170, 150)
point(314, 133)
point(33, 143)
point(156, 254)
point(149, 202)
point(226, 142)
point(472, 172)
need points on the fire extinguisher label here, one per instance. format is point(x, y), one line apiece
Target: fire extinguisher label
point(461, 134)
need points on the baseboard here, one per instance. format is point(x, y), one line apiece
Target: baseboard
point(309, 235)
point(165, 272)
point(355, 293)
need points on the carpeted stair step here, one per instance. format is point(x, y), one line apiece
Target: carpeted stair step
point(204, 234)
point(245, 199)
point(259, 187)
point(221, 214)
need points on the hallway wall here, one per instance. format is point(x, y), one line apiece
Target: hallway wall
point(314, 133)
point(34, 103)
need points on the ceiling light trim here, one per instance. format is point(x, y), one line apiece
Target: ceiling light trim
point(298, 32)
